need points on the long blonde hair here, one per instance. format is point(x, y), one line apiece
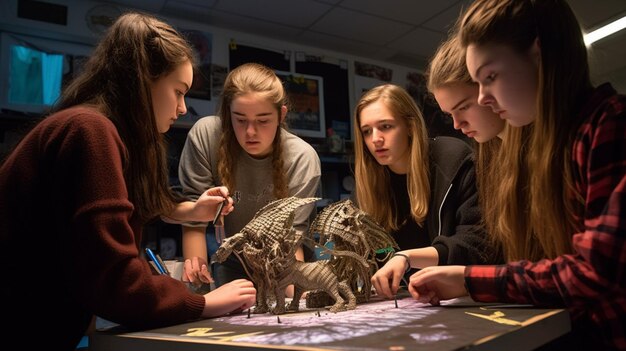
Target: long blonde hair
point(372, 179)
point(553, 202)
point(251, 78)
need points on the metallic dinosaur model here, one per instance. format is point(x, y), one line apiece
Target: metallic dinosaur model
point(261, 245)
point(352, 230)
point(266, 246)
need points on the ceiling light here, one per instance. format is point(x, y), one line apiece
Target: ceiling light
point(605, 31)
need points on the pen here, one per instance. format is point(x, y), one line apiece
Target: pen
point(219, 211)
point(160, 267)
point(167, 271)
point(154, 266)
point(218, 223)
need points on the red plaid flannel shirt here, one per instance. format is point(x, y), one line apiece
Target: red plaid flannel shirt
point(591, 284)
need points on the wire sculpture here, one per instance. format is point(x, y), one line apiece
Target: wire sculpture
point(266, 247)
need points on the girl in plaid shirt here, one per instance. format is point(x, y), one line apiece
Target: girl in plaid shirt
point(567, 244)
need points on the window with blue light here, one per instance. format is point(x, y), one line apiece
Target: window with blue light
point(35, 76)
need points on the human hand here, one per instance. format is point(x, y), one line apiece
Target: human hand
point(207, 204)
point(387, 280)
point(196, 272)
point(433, 284)
point(290, 291)
point(237, 295)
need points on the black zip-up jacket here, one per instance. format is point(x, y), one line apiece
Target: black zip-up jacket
point(453, 223)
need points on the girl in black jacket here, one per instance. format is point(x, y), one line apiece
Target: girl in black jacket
point(421, 190)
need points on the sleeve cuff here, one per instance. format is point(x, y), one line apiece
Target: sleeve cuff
point(442, 251)
point(483, 283)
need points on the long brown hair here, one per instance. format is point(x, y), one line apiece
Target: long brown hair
point(136, 51)
point(553, 203)
point(372, 179)
point(504, 194)
point(251, 78)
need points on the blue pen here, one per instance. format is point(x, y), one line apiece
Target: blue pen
point(154, 259)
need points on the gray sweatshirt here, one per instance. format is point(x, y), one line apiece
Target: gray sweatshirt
point(254, 187)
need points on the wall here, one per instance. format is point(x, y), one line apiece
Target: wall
point(77, 31)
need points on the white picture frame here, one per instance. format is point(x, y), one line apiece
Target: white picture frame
point(305, 116)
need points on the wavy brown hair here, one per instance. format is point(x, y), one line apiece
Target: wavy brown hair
point(553, 202)
point(372, 179)
point(245, 79)
point(136, 51)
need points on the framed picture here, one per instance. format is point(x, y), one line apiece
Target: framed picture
point(306, 104)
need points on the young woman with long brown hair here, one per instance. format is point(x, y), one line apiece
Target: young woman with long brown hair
point(247, 149)
point(77, 190)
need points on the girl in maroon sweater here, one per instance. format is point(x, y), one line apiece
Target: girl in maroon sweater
point(78, 188)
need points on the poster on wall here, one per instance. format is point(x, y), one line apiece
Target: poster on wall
point(334, 73)
point(368, 76)
point(306, 104)
point(202, 43)
point(218, 77)
point(363, 84)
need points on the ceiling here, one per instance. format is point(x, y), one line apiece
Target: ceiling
point(403, 32)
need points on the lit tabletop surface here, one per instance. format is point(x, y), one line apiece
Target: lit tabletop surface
point(376, 325)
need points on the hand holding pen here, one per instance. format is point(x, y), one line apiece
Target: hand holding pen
point(218, 204)
point(207, 205)
point(218, 223)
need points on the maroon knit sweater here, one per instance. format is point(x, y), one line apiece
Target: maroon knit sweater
point(69, 240)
